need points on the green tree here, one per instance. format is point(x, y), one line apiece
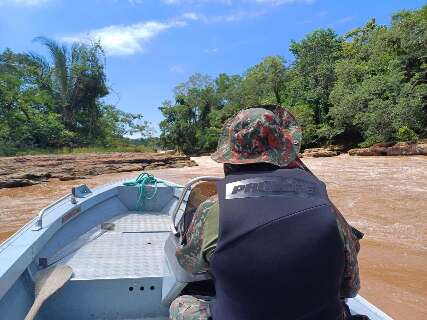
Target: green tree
point(264, 83)
point(25, 108)
point(57, 102)
point(365, 87)
point(117, 124)
point(178, 129)
point(199, 94)
point(77, 82)
point(312, 77)
point(381, 80)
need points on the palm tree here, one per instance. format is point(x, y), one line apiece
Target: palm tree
point(77, 81)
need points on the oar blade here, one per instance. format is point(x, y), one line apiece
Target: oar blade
point(48, 281)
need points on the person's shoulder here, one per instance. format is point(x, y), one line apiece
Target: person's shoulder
point(209, 204)
point(210, 201)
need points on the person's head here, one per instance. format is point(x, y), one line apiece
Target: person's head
point(261, 138)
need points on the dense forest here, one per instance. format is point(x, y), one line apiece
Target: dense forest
point(56, 101)
point(361, 88)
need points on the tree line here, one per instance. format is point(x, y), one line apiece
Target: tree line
point(57, 101)
point(364, 87)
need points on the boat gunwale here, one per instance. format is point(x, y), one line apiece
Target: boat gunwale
point(18, 259)
point(95, 191)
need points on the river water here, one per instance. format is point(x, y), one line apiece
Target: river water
point(384, 197)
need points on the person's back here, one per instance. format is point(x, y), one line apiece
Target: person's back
point(276, 246)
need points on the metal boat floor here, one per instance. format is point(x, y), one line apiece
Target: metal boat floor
point(133, 249)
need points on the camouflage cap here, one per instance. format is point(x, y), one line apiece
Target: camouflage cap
point(262, 134)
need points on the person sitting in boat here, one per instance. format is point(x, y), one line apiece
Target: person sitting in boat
point(275, 245)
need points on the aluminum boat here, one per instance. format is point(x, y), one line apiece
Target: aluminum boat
point(122, 257)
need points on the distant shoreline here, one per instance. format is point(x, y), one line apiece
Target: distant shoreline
point(380, 149)
point(30, 170)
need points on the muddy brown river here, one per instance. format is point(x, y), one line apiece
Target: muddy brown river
point(384, 197)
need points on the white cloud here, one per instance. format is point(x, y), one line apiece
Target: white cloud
point(322, 13)
point(191, 16)
point(211, 50)
point(255, 8)
point(282, 2)
point(125, 39)
point(231, 2)
point(24, 3)
point(179, 68)
point(231, 17)
point(177, 2)
point(238, 15)
point(131, 39)
point(345, 19)
point(306, 21)
point(135, 2)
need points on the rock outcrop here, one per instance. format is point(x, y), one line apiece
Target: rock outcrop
point(392, 149)
point(320, 152)
point(30, 170)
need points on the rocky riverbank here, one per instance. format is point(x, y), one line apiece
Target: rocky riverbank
point(319, 153)
point(30, 170)
point(392, 149)
point(380, 149)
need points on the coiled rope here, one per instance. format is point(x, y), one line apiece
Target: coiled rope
point(141, 181)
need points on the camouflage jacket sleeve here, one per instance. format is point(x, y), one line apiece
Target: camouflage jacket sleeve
point(351, 283)
point(192, 255)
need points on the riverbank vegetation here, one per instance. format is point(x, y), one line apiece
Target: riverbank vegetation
point(364, 87)
point(54, 103)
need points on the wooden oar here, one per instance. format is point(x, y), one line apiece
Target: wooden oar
point(48, 281)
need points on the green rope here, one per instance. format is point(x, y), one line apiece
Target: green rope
point(141, 181)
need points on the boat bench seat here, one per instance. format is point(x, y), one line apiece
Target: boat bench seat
point(132, 249)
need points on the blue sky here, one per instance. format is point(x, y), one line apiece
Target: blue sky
point(153, 45)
